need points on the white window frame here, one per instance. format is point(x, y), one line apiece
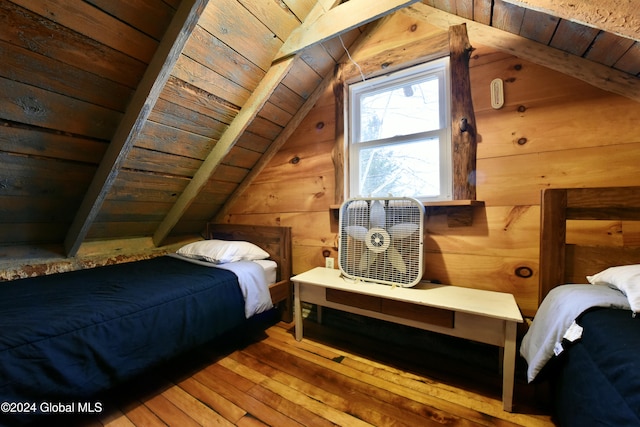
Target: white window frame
point(439, 67)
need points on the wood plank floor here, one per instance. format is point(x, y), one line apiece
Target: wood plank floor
point(329, 378)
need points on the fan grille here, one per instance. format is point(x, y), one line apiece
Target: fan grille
point(381, 240)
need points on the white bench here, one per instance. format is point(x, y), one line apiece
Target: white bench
point(484, 316)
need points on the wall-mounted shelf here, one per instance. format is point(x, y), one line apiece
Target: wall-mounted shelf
point(459, 212)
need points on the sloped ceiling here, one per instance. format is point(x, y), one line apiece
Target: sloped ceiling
point(146, 118)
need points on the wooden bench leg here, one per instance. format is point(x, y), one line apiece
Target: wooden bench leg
point(297, 311)
point(508, 365)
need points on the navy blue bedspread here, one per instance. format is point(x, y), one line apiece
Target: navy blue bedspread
point(74, 334)
point(599, 380)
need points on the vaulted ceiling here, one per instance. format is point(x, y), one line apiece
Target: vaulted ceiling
point(148, 118)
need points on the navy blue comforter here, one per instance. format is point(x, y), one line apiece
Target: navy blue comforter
point(74, 334)
point(599, 380)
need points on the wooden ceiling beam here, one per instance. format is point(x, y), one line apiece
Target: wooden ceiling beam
point(277, 72)
point(621, 17)
point(274, 147)
point(336, 21)
point(249, 111)
point(595, 74)
point(289, 129)
point(274, 76)
point(140, 106)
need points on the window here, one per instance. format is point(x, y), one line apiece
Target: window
point(399, 138)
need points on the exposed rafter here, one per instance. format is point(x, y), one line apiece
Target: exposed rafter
point(249, 111)
point(621, 17)
point(274, 147)
point(261, 94)
point(144, 98)
point(600, 76)
point(290, 129)
point(336, 21)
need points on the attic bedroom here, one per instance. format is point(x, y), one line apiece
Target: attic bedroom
point(136, 135)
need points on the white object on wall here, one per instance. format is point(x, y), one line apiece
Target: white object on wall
point(497, 94)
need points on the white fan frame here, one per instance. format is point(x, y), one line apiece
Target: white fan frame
point(348, 271)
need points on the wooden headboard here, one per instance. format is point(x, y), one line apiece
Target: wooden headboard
point(585, 230)
point(277, 242)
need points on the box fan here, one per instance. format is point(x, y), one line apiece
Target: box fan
point(381, 240)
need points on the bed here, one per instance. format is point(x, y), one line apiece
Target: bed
point(71, 335)
point(584, 340)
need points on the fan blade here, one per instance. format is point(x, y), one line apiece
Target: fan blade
point(396, 260)
point(357, 232)
point(367, 259)
point(402, 230)
point(377, 216)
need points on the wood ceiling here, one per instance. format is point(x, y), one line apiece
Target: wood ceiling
point(147, 118)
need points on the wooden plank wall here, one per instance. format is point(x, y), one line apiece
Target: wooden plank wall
point(554, 131)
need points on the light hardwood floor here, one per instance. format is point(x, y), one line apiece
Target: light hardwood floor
point(329, 378)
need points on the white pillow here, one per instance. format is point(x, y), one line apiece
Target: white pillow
point(625, 278)
point(222, 251)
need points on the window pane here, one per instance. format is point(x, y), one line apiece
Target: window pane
point(400, 136)
point(408, 169)
point(400, 110)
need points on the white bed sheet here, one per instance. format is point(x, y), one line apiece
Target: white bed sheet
point(252, 278)
point(270, 268)
point(562, 305)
